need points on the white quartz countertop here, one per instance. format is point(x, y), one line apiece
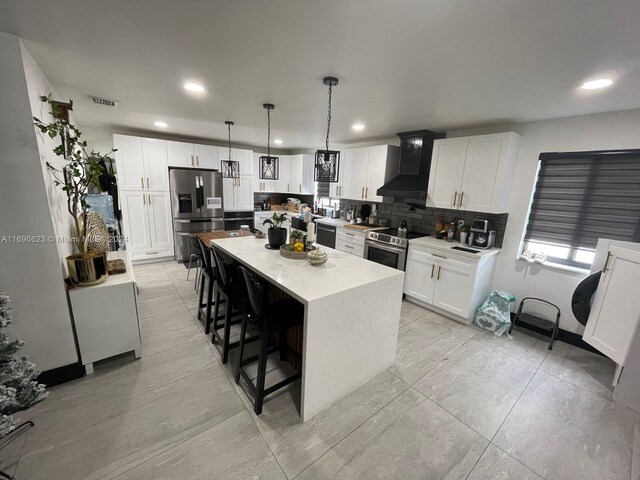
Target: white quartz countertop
point(442, 244)
point(341, 272)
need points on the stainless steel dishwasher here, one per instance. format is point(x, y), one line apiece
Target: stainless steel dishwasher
point(326, 235)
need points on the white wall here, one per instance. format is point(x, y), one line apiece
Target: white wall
point(30, 273)
point(619, 130)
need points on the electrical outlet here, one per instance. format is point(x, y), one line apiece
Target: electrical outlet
point(460, 223)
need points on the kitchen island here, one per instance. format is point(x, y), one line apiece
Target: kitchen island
point(352, 312)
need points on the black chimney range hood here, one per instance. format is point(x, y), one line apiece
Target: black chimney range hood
point(413, 169)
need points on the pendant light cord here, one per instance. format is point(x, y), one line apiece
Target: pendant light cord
point(329, 116)
point(269, 133)
point(229, 127)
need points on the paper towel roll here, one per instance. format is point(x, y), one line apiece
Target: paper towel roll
point(311, 232)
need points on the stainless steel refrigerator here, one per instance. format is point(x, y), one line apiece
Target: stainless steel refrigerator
point(197, 206)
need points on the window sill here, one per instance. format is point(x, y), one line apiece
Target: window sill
point(557, 266)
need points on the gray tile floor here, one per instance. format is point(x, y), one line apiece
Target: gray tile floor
point(459, 403)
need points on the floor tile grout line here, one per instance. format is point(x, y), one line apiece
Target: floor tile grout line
point(127, 399)
point(516, 460)
point(352, 431)
point(173, 446)
point(441, 361)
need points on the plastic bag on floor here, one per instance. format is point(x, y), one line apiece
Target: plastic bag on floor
point(495, 313)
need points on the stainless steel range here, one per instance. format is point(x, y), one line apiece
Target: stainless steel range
point(387, 248)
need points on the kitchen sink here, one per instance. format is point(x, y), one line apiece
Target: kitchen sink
point(463, 249)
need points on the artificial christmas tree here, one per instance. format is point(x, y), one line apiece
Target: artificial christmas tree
point(18, 388)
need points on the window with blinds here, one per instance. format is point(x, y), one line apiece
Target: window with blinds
point(580, 197)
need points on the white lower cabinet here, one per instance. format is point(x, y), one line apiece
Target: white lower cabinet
point(147, 224)
point(350, 241)
point(450, 283)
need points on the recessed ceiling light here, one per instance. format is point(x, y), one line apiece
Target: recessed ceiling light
point(277, 141)
point(598, 83)
point(358, 127)
point(160, 123)
point(194, 87)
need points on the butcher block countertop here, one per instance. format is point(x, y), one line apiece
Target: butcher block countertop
point(206, 237)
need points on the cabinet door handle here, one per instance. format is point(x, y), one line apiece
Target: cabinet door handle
point(439, 256)
point(197, 160)
point(455, 198)
point(193, 164)
point(606, 262)
point(366, 192)
point(348, 246)
point(150, 253)
point(300, 188)
point(362, 193)
point(142, 182)
point(340, 187)
point(148, 183)
point(433, 267)
point(461, 197)
point(288, 187)
point(144, 199)
point(149, 198)
point(439, 267)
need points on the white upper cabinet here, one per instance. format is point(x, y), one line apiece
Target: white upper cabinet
point(141, 163)
point(447, 166)
point(342, 188)
point(301, 174)
point(154, 155)
point(190, 155)
point(206, 156)
point(364, 170)
point(130, 166)
point(473, 173)
point(283, 182)
point(377, 168)
point(180, 154)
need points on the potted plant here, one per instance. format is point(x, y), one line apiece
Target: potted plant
point(276, 235)
point(78, 176)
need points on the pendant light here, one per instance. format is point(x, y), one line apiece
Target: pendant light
point(229, 168)
point(268, 164)
point(327, 161)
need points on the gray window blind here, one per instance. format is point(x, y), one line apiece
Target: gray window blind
point(583, 196)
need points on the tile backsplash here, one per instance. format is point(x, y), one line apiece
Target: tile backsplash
point(423, 220)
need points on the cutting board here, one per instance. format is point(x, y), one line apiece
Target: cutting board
point(360, 226)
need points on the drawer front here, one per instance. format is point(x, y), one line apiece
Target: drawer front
point(349, 237)
point(350, 247)
point(458, 262)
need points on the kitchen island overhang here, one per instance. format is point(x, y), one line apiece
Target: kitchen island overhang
point(352, 313)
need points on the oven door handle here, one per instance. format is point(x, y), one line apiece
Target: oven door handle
point(391, 249)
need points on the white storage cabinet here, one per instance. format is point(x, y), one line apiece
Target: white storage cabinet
point(143, 183)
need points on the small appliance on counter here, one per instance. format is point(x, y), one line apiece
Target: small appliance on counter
point(480, 236)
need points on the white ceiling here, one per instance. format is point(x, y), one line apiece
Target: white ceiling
point(402, 65)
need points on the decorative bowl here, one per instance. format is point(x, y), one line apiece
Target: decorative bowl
point(287, 251)
point(316, 257)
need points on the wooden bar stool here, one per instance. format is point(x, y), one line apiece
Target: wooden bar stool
point(229, 290)
point(208, 274)
point(266, 318)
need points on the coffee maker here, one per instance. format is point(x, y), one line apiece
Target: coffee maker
point(480, 236)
